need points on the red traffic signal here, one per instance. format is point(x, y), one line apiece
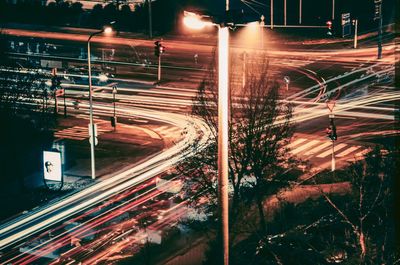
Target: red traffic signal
point(329, 24)
point(158, 48)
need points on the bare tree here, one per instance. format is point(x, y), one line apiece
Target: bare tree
point(259, 131)
point(370, 212)
point(26, 115)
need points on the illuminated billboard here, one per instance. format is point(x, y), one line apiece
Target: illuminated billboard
point(52, 165)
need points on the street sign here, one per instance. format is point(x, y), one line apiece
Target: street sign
point(52, 165)
point(346, 24)
point(114, 89)
point(286, 79)
point(59, 92)
point(96, 141)
point(330, 105)
point(378, 9)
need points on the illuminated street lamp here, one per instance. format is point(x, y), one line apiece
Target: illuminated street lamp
point(194, 21)
point(92, 137)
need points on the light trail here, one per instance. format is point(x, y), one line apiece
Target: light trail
point(124, 180)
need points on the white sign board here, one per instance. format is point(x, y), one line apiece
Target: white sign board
point(52, 165)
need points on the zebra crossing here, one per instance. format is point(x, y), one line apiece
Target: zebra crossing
point(321, 149)
point(80, 132)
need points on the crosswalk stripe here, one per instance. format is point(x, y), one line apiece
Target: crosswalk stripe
point(305, 146)
point(318, 148)
point(297, 142)
point(348, 151)
point(329, 151)
point(78, 132)
point(362, 153)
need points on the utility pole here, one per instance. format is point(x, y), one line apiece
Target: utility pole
point(300, 10)
point(284, 12)
point(355, 23)
point(333, 9)
point(150, 21)
point(272, 14)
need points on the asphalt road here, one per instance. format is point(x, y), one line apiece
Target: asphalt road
point(98, 223)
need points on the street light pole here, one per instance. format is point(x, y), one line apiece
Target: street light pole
point(284, 12)
point(333, 9)
point(272, 13)
point(194, 21)
point(114, 118)
point(150, 21)
point(223, 109)
point(300, 10)
point(91, 126)
point(355, 23)
point(92, 132)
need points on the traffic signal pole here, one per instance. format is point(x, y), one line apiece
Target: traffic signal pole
point(333, 156)
point(158, 51)
point(65, 104)
point(380, 38)
point(331, 131)
point(159, 69)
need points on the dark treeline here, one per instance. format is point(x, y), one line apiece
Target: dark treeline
point(165, 13)
point(65, 13)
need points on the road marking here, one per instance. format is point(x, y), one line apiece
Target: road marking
point(297, 142)
point(318, 148)
point(362, 153)
point(79, 132)
point(329, 151)
point(305, 146)
point(348, 151)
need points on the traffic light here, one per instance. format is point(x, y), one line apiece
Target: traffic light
point(158, 48)
point(157, 45)
point(55, 82)
point(113, 121)
point(331, 131)
point(329, 26)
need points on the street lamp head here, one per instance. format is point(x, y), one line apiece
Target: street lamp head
point(195, 21)
point(103, 78)
point(108, 30)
